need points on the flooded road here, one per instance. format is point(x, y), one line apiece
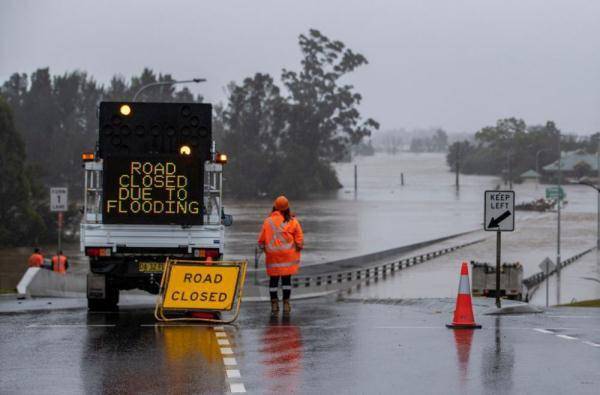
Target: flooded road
point(385, 214)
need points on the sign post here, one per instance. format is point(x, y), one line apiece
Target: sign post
point(200, 286)
point(547, 266)
point(498, 216)
point(59, 202)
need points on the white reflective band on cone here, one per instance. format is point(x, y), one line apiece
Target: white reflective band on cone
point(463, 286)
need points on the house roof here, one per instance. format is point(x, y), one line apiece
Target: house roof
point(570, 159)
point(530, 174)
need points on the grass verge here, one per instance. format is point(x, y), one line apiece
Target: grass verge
point(584, 303)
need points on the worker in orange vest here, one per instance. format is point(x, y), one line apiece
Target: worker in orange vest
point(281, 239)
point(60, 263)
point(36, 259)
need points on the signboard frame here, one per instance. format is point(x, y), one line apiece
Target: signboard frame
point(55, 194)
point(511, 208)
point(162, 313)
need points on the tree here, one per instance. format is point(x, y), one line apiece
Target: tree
point(18, 219)
point(252, 125)
point(582, 169)
point(439, 141)
point(323, 118)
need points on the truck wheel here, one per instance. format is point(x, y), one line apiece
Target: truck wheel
point(109, 302)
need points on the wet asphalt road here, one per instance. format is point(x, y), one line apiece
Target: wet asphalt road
point(327, 346)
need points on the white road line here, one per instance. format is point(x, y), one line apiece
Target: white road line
point(572, 316)
point(592, 344)
point(70, 325)
point(226, 351)
point(566, 337)
point(543, 331)
point(410, 327)
point(237, 388)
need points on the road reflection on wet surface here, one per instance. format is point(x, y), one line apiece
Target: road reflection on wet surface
point(328, 345)
point(129, 358)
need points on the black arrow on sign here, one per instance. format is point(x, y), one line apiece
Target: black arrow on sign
point(495, 222)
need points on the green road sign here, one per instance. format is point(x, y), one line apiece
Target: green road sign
point(555, 193)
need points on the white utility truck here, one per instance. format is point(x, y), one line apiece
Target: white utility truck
point(153, 190)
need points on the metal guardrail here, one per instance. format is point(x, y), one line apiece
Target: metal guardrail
point(373, 272)
point(536, 279)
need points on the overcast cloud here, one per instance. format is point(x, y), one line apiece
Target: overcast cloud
point(456, 64)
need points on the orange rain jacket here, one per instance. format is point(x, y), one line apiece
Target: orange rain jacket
point(59, 264)
point(36, 260)
point(282, 242)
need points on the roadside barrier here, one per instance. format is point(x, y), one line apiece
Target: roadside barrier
point(532, 282)
point(373, 272)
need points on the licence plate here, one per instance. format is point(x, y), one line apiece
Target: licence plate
point(150, 267)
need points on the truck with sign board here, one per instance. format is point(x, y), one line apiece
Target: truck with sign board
point(153, 191)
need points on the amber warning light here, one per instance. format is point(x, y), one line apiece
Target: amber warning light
point(221, 158)
point(87, 157)
point(125, 110)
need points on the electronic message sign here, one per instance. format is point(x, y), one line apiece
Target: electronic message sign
point(152, 190)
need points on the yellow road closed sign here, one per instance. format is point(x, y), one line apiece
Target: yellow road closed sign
point(194, 287)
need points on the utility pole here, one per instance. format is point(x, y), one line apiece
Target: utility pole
point(558, 262)
point(598, 185)
point(457, 164)
point(355, 179)
point(509, 171)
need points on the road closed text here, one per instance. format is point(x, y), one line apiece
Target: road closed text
point(201, 287)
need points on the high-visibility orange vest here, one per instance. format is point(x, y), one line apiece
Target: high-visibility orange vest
point(59, 264)
point(36, 260)
point(282, 242)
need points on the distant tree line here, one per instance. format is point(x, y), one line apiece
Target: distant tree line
point(280, 139)
point(416, 140)
point(436, 143)
point(510, 148)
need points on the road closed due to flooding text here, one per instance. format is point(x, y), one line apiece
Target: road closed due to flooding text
point(147, 191)
point(201, 287)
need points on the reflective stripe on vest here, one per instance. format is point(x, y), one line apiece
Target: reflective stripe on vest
point(277, 236)
point(282, 264)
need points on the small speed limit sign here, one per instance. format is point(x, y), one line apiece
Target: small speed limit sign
point(59, 199)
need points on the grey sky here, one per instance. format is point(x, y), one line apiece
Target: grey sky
point(456, 64)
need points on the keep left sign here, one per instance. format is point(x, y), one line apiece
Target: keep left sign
point(499, 211)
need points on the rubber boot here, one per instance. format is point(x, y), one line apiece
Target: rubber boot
point(274, 306)
point(287, 308)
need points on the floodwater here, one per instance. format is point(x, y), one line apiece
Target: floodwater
point(382, 214)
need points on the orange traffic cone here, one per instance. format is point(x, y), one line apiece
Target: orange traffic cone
point(463, 313)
